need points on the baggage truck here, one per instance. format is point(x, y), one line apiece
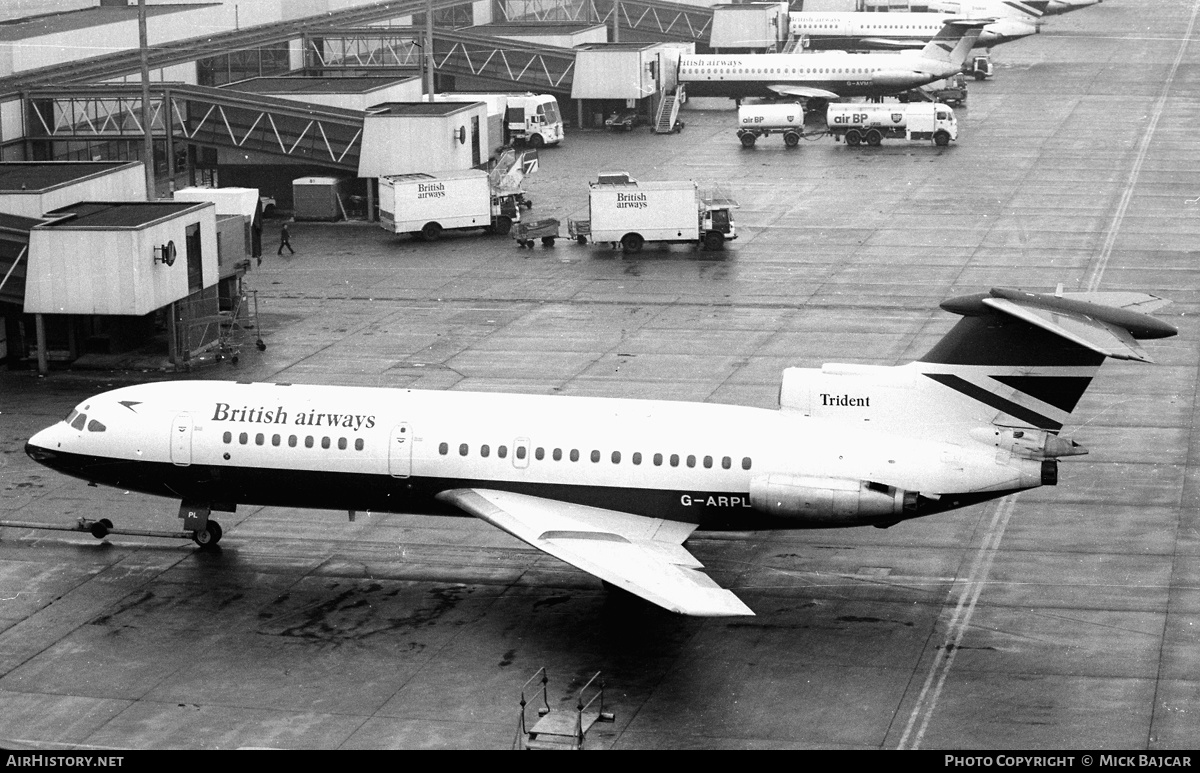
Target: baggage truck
point(530, 119)
point(427, 204)
point(786, 118)
point(626, 212)
point(870, 122)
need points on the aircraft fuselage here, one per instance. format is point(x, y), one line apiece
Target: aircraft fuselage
point(353, 448)
point(841, 73)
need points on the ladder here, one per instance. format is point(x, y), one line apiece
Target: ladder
point(668, 113)
point(565, 729)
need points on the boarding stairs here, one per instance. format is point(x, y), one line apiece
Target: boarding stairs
point(562, 730)
point(668, 112)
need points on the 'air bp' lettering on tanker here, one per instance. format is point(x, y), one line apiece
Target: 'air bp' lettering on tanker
point(714, 500)
point(631, 201)
point(431, 191)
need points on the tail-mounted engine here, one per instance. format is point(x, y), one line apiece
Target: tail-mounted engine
point(1028, 443)
point(830, 501)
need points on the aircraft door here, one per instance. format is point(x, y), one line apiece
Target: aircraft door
point(400, 451)
point(520, 455)
point(181, 440)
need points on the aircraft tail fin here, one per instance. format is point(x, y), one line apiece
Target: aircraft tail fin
point(1017, 360)
point(1026, 358)
point(1025, 10)
point(954, 41)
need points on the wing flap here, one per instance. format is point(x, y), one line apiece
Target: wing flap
point(1102, 337)
point(891, 44)
point(641, 555)
point(797, 90)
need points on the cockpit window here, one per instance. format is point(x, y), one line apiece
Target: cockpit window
point(95, 426)
point(79, 421)
point(71, 418)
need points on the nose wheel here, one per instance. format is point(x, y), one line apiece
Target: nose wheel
point(207, 536)
point(205, 532)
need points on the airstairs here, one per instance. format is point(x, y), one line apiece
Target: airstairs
point(668, 112)
point(562, 730)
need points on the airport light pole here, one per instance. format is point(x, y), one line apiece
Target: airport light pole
point(147, 135)
point(429, 48)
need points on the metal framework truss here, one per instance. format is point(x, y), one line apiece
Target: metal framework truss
point(657, 17)
point(363, 48)
point(509, 64)
point(204, 116)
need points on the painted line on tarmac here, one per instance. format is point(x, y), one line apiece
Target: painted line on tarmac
point(1114, 228)
point(981, 566)
point(960, 621)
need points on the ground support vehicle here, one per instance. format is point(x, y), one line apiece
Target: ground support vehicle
point(871, 122)
point(626, 212)
point(762, 120)
point(949, 91)
point(625, 120)
point(426, 204)
point(980, 67)
point(545, 229)
point(529, 119)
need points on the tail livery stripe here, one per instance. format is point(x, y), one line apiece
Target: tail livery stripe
point(959, 384)
point(1063, 392)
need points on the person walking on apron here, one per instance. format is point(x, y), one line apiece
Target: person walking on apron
point(285, 240)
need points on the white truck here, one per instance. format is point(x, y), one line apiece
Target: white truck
point(428, 204)
point(532, 119)
point(623, 211)
point(786, 118)
point(870, 122)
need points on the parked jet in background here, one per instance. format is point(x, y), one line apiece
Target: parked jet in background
point(615, 486)
point(1007, 8)
point(830, 74)
point(1066, 6)
point(857, 31)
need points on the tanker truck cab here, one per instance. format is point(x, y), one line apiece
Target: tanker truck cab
point(926, 125)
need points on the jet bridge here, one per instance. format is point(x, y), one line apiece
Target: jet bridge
point(635, 21)
point(487, 62)
point(312, 134)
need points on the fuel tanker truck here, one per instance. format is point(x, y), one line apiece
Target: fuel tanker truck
point(870, 122)
point(763, 119)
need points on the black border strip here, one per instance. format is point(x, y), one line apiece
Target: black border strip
point(965, 387)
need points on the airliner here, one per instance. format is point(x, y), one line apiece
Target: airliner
point(830, 74)
point(615, 486)
point(1001, 7)
point(859, 30)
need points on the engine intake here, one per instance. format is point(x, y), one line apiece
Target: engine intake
point(828, 501)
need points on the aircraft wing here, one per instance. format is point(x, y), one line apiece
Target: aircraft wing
point(891, 44)
point(796, 90)
point(1107, 339)
point(644, 556)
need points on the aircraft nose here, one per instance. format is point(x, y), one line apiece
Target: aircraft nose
point(39, 447)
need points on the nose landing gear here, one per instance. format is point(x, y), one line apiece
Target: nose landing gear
point(205, 532)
